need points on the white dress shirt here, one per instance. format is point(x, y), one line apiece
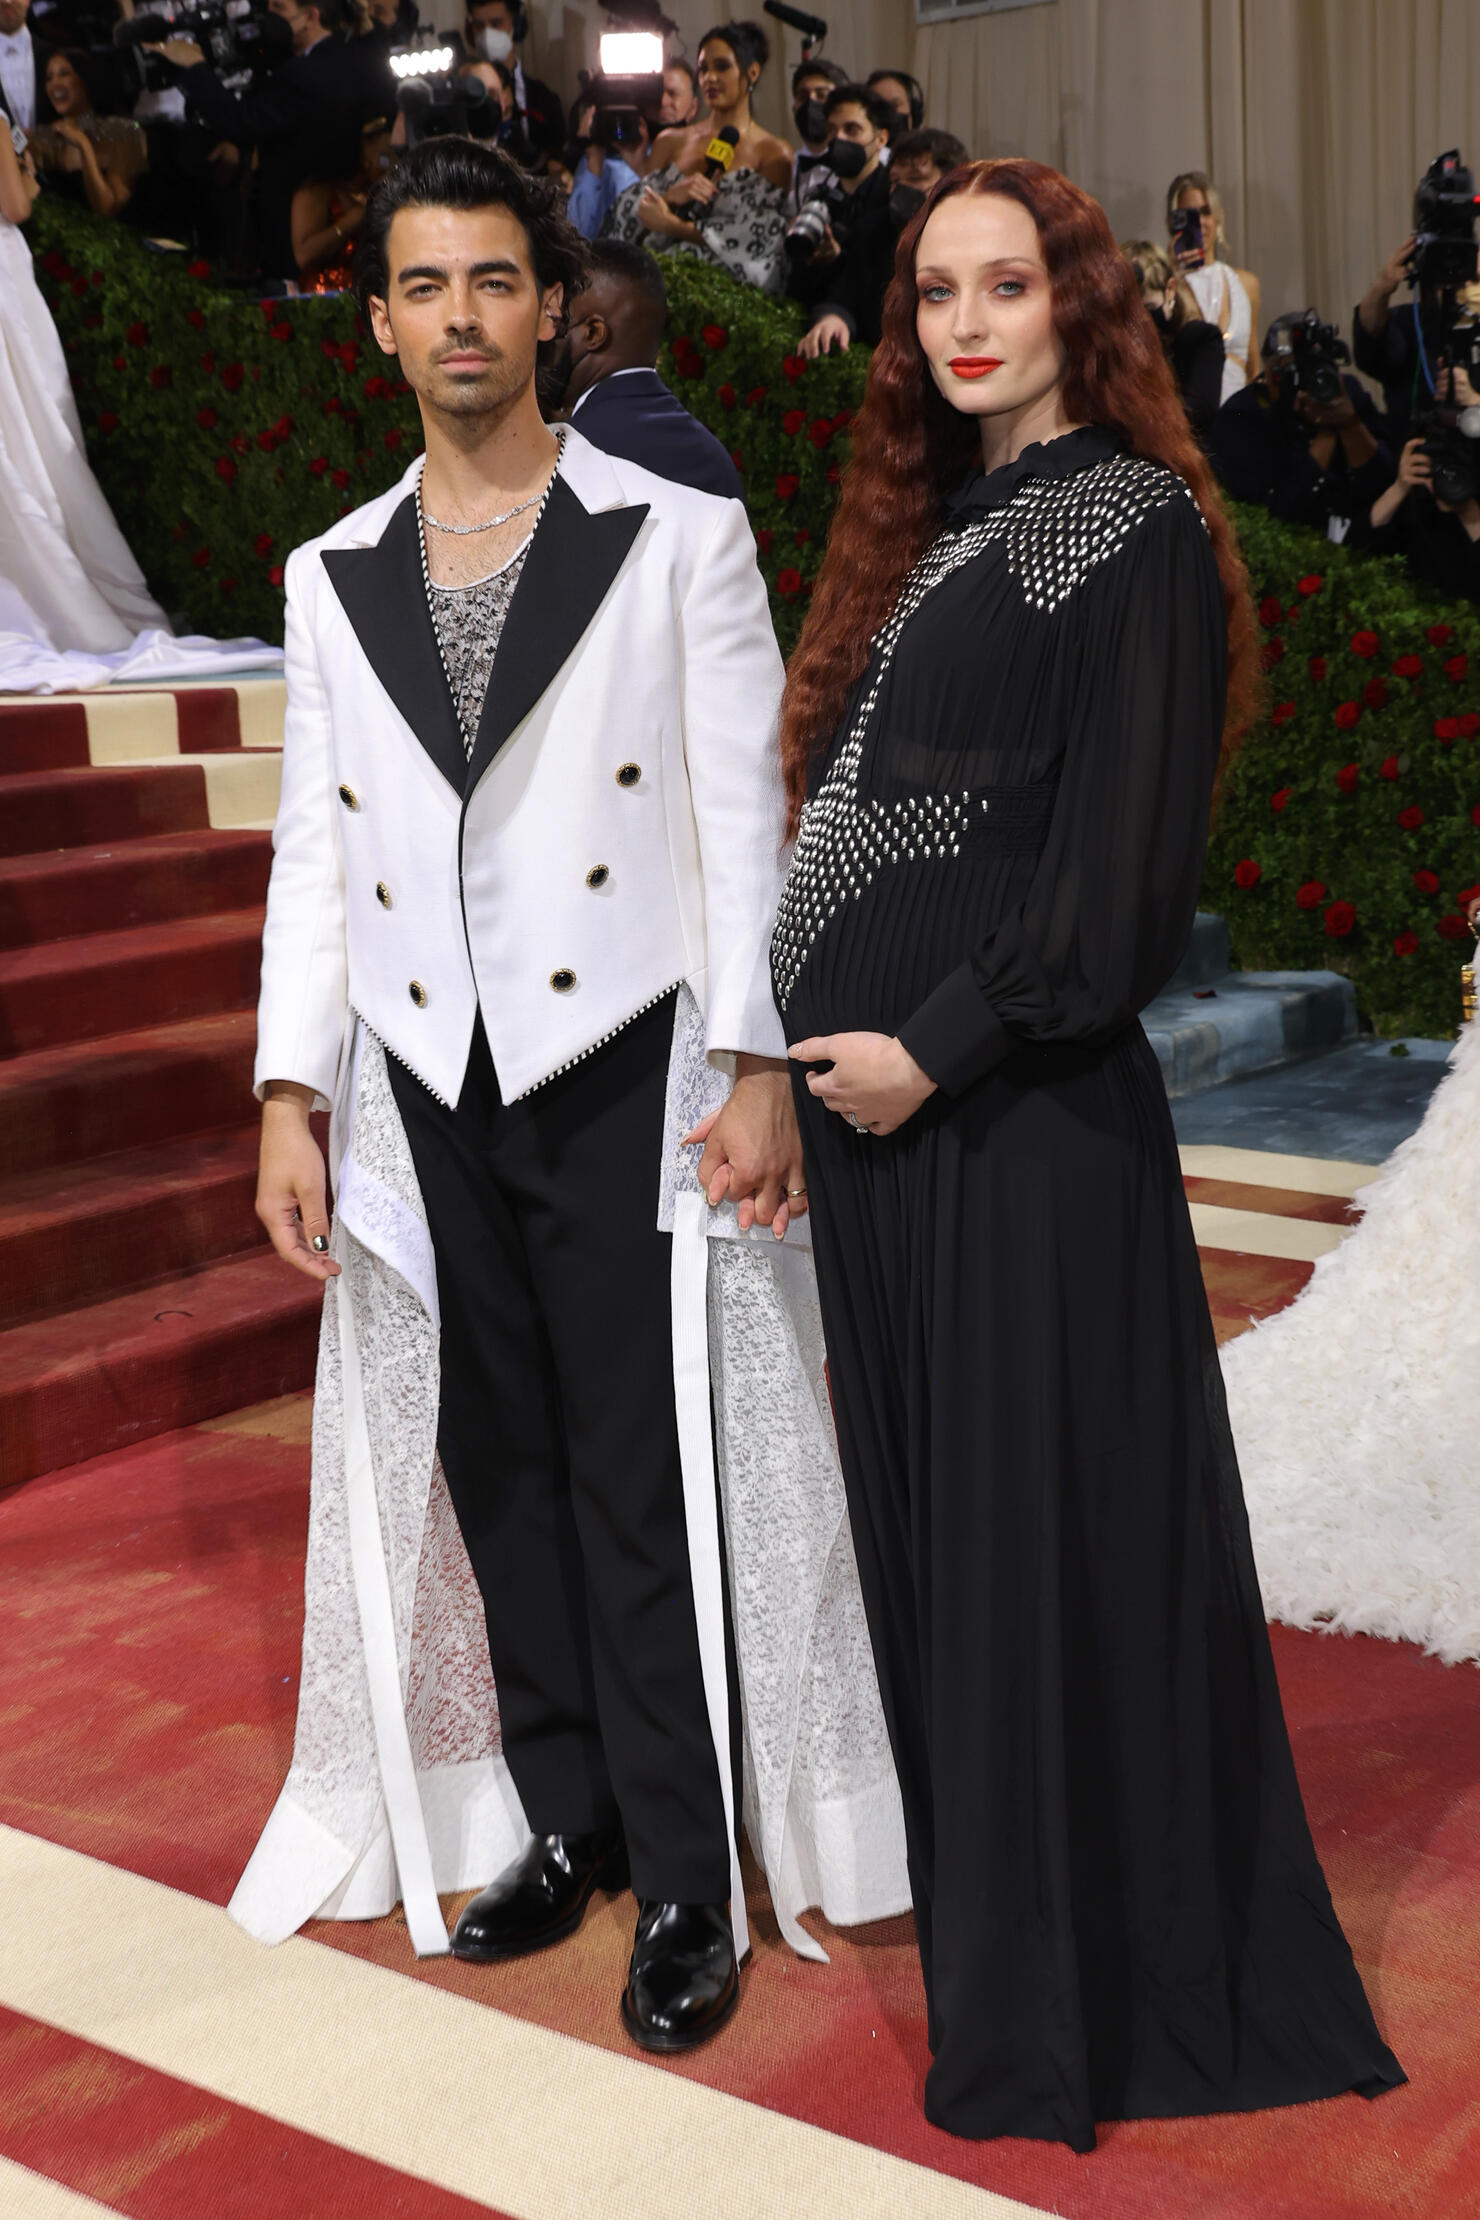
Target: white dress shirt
point(18, 76)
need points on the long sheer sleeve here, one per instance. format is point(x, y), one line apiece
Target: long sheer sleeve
point(1106, 919)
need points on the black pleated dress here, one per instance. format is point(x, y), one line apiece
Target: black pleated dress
point(1119, 1906)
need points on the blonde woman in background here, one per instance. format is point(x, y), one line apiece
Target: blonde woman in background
point(1192, 346)
point(1225, 295)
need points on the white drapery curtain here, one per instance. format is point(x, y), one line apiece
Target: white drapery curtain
point(1314, 117)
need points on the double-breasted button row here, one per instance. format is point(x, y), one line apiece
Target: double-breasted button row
point(349, 797)
point(628, 775)
point(383, 894)
point(597, 876)
point(562, 980)
point(418, 994)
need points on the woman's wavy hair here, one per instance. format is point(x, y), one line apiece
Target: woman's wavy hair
point(910, 447)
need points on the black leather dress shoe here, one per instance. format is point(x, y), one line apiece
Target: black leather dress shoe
point(541, 1897)
point(683, 1982)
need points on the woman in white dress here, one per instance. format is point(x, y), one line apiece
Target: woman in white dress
point(1226, 296)
point(74, 608)
point(1357, 1410)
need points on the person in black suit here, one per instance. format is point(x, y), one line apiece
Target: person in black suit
point(603, 377)
point(23, 59)
point(331, 78)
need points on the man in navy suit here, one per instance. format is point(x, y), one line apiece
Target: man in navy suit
point(602, 377)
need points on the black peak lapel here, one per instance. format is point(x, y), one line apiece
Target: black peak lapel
point(384, 596)
point(572, 560)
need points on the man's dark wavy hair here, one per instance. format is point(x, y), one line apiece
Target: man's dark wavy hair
point(455, 172)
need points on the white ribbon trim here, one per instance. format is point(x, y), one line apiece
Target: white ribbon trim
point(398, 1782)
point(690, 1300)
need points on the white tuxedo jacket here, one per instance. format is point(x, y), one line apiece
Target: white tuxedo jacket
point(617, 831)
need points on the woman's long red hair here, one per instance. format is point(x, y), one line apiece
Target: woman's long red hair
point(910, 447)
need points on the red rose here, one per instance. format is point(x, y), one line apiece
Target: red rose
point(284, 330)
point(1467, 895)
point(241, 443)
point(755, 396)
point(107, 422)
point(1365, 643)
point(1452, 928)
point(1406, 942)
point(120, 362)
point(1272, 652)
point(1469, 724)
point(225, 468)
point(208, 363)
point(820, 433)
point(1248, 873)
point(394, 437)
point(333, 406)
point(377, 388)
point(1340, 919)
point(1475, 813)
point(267, 441)
point(319, 465)
point(1345, 715)
point(834, 474)
point(263, 544)
point(202, 558)
point(340, 478)
point(802, 537)
point(137, 335)
point(1410, 818)
point(842, 420)
point(207, 418)
point(1270, 612)
point(793, 421)
point(715, 337)
point(786, 485)
point(727, 396)
point(198, 269)
point(1446, 731)
point(1311, 585)
point(226, 586)
point(788, 584)
point(1277, 801)
point(1283, 712)
point(161, 375)
point(1388, 768)
point(794, 367)
point(1427, 882)
point(1311, 895)
point(764, 539)
point(1317, 668)
point(1456, 667)
point(232, 377)
point(1409, 666)
point(196, 317)
point(283, 428)
point(275, 575)
point(1437, 634)
point(1374, 693)
point(738, 460)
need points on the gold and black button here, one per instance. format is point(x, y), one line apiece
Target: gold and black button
point(629, 775)
point(382, 894)
point(597, 876)
point(418, 994)
point(562, 981)
point(349, 797)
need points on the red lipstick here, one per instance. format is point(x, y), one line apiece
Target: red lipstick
point(974, 366)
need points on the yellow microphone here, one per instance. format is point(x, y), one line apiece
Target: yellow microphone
point(719, 155)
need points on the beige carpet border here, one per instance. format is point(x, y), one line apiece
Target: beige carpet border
point(493, 2108)
point(28, 2196)
point(1310, 1175)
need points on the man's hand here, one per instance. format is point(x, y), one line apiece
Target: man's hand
point(752, 1149)
point(828, 332)
point(290, 1182)
point(874, 1082)
point(184, 53)
point(1329, 416)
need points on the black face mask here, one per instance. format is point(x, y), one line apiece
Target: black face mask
point(810, 118)
point(1160, 318)
point(846, 158)
point(904, 202)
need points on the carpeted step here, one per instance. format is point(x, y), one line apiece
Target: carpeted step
point(61, 1105)
point(42, 735)
point(118, 724)
point(81, 1233)
point(237, 1331)
point(65, 809)
point(74, 990)
point(62, 893)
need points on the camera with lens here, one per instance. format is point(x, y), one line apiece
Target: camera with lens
point(626, 92)
point(1444, 250)
point(827, 206)
point(1306, 357)
point(436, 99)
point(238, 40)
point(1444, 261)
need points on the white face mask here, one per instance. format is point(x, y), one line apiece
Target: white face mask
point(494, 46)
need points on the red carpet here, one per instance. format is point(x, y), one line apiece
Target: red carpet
point(151, 1602)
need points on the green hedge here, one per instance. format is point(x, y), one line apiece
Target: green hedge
point(225, 431)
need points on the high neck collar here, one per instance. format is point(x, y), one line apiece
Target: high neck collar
point(1044, 459)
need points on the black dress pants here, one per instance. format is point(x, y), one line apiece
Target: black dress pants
point(559, 1440)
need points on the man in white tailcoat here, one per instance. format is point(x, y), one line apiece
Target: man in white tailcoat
point(529, 798)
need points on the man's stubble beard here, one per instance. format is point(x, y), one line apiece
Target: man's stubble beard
point(488, 395)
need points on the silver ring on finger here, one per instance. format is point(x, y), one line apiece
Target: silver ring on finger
point(855, 1121)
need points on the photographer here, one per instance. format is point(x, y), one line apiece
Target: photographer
point(840, 245)
point(1303, 441)
point(599, 173)
point(919, 161)
point(332, 76)
point(1385, 344)
point(1439, 539)
point(1192, 346)
point(811, 82)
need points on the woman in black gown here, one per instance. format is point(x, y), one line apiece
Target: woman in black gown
point(1006, 712)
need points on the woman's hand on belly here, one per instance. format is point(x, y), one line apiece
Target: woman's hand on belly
point(874, 1082)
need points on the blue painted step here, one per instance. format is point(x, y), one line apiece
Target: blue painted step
point(1209, 1023)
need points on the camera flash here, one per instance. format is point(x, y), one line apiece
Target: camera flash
point(631, 54)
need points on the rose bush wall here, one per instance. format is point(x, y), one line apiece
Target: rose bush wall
point(225, 431)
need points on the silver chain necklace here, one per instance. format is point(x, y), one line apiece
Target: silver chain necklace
point(462, 531)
